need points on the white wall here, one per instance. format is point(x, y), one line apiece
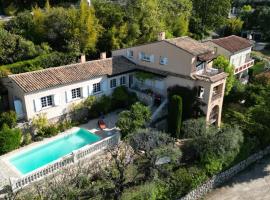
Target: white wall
point(239, 59)
point(59, 93)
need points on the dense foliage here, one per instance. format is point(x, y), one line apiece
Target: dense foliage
point(223, 63)
point(133, 119)
point(10, 139)
point(9, 118)
point(15, 48)
point(191, 104)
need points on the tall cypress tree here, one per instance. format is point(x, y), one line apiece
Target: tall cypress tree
point(175, 115)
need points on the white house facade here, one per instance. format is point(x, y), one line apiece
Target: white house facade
point(237, 50)
point(179, 61)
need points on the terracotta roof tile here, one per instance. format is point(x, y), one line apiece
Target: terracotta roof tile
point(233, 43)
point(192, 46)
point(46, 78)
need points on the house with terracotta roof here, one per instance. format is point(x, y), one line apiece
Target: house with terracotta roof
point(237, 50)
point(179, 61)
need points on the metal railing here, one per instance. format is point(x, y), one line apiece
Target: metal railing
point(88, 150)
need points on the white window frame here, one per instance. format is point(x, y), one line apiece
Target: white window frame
point(113, 83)
point(145, 57)
point(163, 60)
point(130, 53)
point(76, 93)
point(46, 101)
point(123, 80)
point(200, 92)
point(96, 88)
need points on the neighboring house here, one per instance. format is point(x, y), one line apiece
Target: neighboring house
point(179, 61)
point(237, 50)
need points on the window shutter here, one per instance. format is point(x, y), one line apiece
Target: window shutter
point(85, 92)
point(104, 86)
point(56, 99)
point(165, 61)
point(90, 89)
point(140, 55)
point(37, 105)
point(152, 58)
point(68, 96)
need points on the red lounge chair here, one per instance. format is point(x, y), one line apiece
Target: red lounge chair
point(101, 124)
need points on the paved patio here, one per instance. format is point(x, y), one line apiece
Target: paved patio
point(251, 184)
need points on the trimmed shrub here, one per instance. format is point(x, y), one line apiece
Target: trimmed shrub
point(27, 139)
point(48, 131)
point(40, 122)
point(175, 115)
point(9, 118)
point(10, 139)
point(102, 105)
point(120, 97)
point(64, 125)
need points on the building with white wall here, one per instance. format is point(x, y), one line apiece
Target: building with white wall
point(237, 50)
point(179, 61)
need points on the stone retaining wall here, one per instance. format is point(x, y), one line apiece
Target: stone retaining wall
point(221, 178)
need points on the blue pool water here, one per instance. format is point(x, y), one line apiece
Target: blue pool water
point(37, 157)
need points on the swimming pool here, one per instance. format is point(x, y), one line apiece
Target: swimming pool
point(44, 154)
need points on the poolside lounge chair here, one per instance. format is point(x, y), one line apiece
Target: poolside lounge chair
point(101, 124)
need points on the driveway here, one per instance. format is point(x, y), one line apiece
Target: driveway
point(251, 184)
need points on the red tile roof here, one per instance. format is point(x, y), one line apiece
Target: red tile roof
point(46, 78)
point(233, 43)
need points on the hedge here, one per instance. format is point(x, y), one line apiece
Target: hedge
point(44, 61)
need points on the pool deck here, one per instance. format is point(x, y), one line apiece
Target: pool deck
point(7, 170)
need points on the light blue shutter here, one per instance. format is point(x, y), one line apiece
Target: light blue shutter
point(37, 105)
point(56, 99)
point(104, 86)
point(140, 55)
point(90, 89)
point(152, 58)
point(85, 91)
point(68, 96)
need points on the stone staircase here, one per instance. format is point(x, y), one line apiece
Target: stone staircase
point(159, 111)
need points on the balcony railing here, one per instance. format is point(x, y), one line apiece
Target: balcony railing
point(249, 63)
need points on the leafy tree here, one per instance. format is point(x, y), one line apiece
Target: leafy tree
point(223, 63)
point(118, 173)
point(208, 15)
point(15, 48)
point(216, 153)
point(9, 118)
point(112, 17)
point(144, 19)
point(10, 139)
point(133, 119)
point(159, 152)
point(233, 26)
point(120, 97)
point(193, 128)
point(176, 14)
point(175, 115)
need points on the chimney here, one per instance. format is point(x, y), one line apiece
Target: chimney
point(161, 36)
point(83, 59)
point(103, 55)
